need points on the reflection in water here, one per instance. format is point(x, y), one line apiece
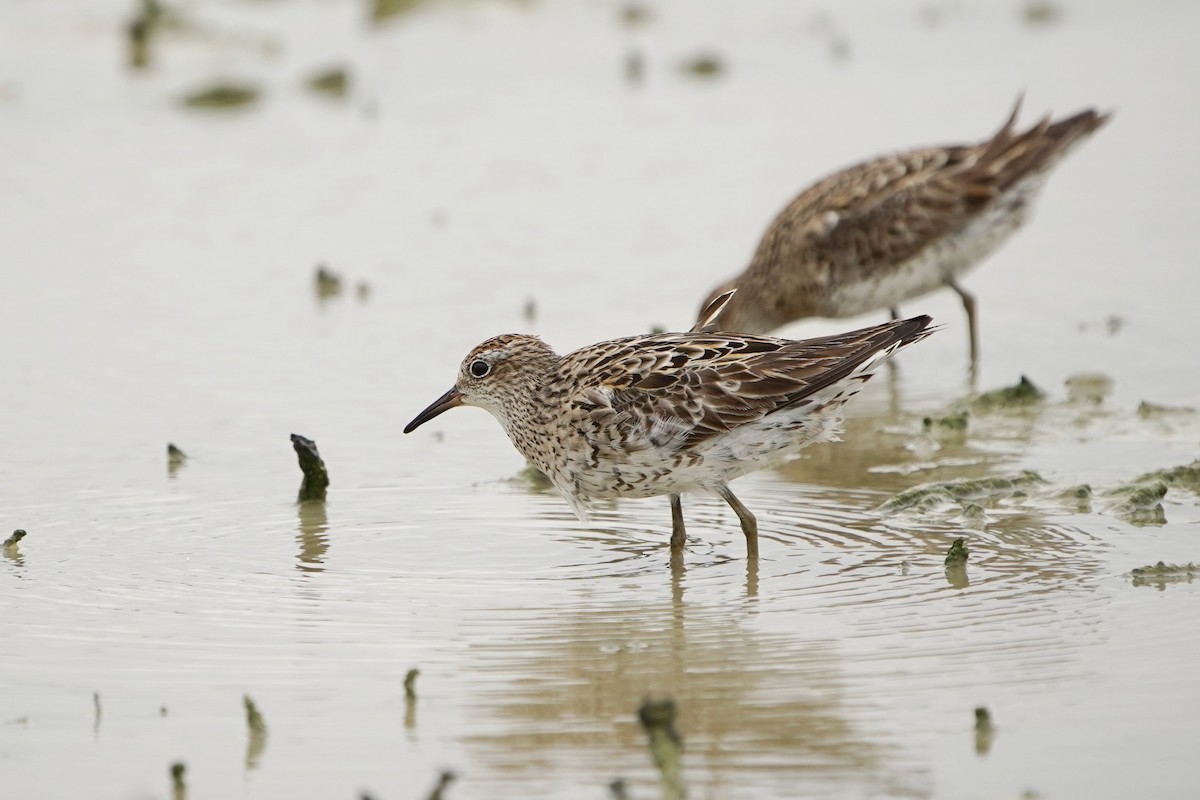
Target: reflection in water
point(313, 535)
point(985, 734)
point(257, 727)
point(666, 745)
point(178, 784)
point(956, 575)
point(12, 548)
point(748, 700)
point(176, 459)
point(785, 707)
point(410, 701)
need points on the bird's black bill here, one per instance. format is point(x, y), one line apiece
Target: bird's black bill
point(444, 403)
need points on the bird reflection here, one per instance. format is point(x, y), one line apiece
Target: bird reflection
point(745, 696)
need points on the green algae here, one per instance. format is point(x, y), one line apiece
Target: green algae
point(958, 553)
point(257, 727)
point(10, 549)
point(1078, 496)
point(326, 282)
point(332, 82)
point(937, 496)
point(1141, 502)
point(384, 10)
point(633, 15)
point(176, 458)
point(974, 515)
point(1039, 13)
point(953, 422)
point(1022, 394)
point(1186, 476)
point(140, 31)
point(1148, 410)
point(533, 478)
point(316, 476)
point(1161, 574)
point(985, 731)
point(178, 782)
point(222, 95)
point(703, 65)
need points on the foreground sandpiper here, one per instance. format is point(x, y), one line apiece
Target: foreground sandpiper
point(669, 413)
point(884, 231)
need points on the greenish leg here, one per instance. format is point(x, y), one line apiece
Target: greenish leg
point(678, 532)
point(968, 301)
point(749, 523)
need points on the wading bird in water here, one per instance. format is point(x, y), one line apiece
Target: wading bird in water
point(888, 230)
point(669, 413)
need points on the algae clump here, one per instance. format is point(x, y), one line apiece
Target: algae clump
point(316, 476)
point(932, 496)
point(334, 82)
point(1161, 574)
point(958, 553)
point(1022, 394)
point(1186, 476)
point(223, 95)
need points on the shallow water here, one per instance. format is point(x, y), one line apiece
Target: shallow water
point(158, 266)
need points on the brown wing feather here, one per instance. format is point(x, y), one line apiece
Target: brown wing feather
point(887, 210)
point(705, 384)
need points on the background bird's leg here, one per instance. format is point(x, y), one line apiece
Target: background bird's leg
point(749, 523)
point(678, 532)
point(893, 369)
point(968, 301)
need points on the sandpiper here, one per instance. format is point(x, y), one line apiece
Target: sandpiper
point(884, 231)
point(669, 413)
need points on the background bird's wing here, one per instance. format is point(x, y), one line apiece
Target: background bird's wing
point(888, 209)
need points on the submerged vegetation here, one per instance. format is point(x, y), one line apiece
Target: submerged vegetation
point(1022, 394)
point(257, 727)
point(937, 496)
point(985, 732)
point(178, 784)
point(1186, 476)
point(703, 65)
point(332, 82)
point(223, 95)
point(1161, 574)
point(958, 553)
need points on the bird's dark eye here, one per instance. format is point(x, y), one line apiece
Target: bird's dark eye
point(480, 368)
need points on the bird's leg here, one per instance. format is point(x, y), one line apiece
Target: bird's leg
point(749, 523)
point(895, 313)
point(678, 532)
point(968, 301)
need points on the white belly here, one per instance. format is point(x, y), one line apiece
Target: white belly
point(940, 262)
